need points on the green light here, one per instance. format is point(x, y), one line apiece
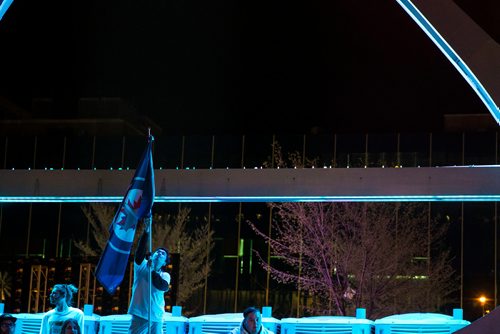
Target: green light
point(250, 257)
point(241, 248)
point(240, 254)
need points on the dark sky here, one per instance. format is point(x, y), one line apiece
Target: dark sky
point(234, 66)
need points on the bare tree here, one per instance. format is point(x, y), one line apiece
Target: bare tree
point(5, 285)
point(168, 230)
point(194, 268)
point(99, 216)
point(293, 159)
point(350, 255)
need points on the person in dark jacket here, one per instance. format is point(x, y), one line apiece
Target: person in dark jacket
point(252, 323)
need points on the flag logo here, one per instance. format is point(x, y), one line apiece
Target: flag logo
point(136, 204)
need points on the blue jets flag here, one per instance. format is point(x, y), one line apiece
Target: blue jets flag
point(136, 204)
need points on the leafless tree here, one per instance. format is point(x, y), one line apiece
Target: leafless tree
point(5, 285)
point(379, 256)
point(193, 247)
point(168, 230)
point(292, 159)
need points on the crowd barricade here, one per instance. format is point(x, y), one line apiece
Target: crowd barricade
point(91, 323)
point(30, 323)
point(114, 324)
point(328, 324)
point(120, 323)
point(224, 323)
point(175, 323)
point(417, 323)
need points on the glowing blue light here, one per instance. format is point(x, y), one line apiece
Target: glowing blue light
point(452, 56)
point(4, 5)
point(261, 199)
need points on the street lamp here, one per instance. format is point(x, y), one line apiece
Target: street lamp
point(482, 301)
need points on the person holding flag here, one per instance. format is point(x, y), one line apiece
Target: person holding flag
point(146, 296)
point(136, 205)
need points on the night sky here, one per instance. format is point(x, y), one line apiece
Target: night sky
point(233, 66)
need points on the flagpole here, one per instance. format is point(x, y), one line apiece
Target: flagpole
point(150, 266)
point(136, 205)
point(151, 263)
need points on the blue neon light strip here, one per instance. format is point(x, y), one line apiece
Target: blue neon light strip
point(4, 5)
point(452, 56)
point(264, 199)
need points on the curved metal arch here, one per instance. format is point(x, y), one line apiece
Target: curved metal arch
point(479, 53)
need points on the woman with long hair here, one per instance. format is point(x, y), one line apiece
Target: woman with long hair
point(70, 326)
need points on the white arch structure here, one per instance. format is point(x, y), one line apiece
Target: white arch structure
point(474, 53)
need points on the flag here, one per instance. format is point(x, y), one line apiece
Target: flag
point(136, 204)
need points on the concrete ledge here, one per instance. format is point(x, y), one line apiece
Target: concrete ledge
point(478, 183)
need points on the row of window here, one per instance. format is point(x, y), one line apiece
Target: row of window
point(342, 150)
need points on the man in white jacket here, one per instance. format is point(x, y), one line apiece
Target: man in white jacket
point(160, 279)
point(252, 323)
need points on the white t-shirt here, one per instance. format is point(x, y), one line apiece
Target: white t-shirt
point(139, 303)
point(52, 320)
point(241, 330)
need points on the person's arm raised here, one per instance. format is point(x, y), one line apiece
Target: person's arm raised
point(140, 252)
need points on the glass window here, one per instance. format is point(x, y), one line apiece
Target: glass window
point(79, 152)
point(228, 151)
point(50, 152)
point(3, 142)
point(43, 234)
point(257, 150)
point(479, 148)
point(198, 152)
point(108, 152)
point(447, 149)
point(134, 146)
point(292, 150)
point(414, 149)
point(320, 149)
point(350, 150)
point(15, 218)
point(167, 152)
point(74, 227)
point(479, 254)
point(20, 152)
point(382, 150)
